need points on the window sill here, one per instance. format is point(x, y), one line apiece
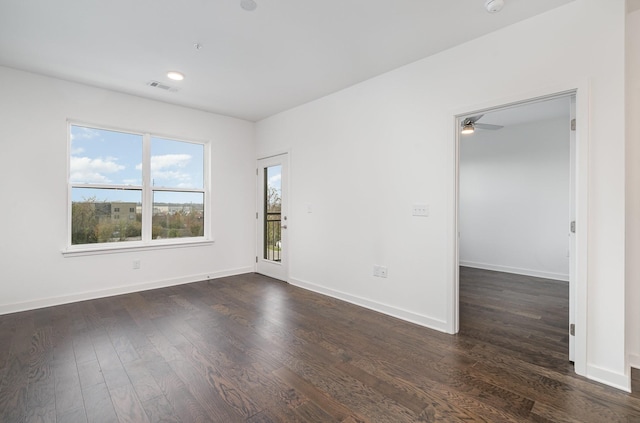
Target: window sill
point(77, 251)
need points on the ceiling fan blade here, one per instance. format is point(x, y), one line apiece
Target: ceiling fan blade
point(488, 126)
point(473, 119)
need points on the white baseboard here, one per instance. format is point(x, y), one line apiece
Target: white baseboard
point(409, 316)
point(90, 295)
point(616, 380)
point(516, 270)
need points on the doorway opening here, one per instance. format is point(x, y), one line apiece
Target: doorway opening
point(520, 183)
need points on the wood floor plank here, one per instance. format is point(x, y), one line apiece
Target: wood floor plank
point(219, 398)
point(76, 415)
point(68, 391)
point(186, 407)
point(448, 400)
point(41, 402)
point(98, 405)
point(331, 406)
point(249, 381)
point(143, 382)
point(159, 410)
point(13, 390)
point(127, 405)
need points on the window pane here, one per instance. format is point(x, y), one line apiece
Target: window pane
point(272, 213)
point(176, 164)
point(177, 214)
point(99, 156)
point(105, 215)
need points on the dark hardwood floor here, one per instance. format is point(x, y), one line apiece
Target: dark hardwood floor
point(251, 349)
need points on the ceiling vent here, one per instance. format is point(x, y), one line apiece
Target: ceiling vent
point(160, 85)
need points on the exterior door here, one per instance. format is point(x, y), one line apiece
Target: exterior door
point(272, 217)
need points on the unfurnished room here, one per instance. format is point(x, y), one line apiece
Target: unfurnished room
point(284, 211)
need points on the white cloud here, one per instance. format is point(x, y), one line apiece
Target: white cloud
point(81, 133)
point(168, 161)
point(185, 185)
point(90, 177)
point(76, 151)
point(275, 179)
point(165, 170)
point(85, 169)
point(173, 177)
point(131, 182)
point(172, 174)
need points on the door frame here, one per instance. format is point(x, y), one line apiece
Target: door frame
point(579, 273)
point(286, 187)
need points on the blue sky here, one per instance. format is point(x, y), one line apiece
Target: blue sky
point(114, 158)
point(274, 177)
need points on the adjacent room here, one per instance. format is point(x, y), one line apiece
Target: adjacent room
point(251, 211)
point(516, 204)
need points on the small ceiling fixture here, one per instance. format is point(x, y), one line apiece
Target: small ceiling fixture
point(176, 76)
point(248, 5)
point(470, 124)
point(493, 6)
point(467, 128)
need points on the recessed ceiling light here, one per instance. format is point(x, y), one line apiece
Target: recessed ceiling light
point(248, 5)
point(176, 76)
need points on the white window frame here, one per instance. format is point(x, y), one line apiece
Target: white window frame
point(147, 190)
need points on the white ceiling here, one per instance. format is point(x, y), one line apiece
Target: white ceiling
point(252, 64)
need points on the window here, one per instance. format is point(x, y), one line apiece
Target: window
point(159, 180)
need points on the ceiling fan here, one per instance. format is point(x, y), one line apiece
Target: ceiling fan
point(471, 123)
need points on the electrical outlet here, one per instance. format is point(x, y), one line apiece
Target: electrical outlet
point(383, 271)
point(136, 264)
point(379, 271)
point(421, 210)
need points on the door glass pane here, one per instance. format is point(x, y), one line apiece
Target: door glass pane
point(272, 213)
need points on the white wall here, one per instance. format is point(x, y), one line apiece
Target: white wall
point(361, 157)
point(633, 188)
point(33, 164)
point(514, 199)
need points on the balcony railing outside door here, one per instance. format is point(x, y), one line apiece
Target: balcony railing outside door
point(272, 239)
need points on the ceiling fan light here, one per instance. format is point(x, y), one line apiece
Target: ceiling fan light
point(467, 129)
